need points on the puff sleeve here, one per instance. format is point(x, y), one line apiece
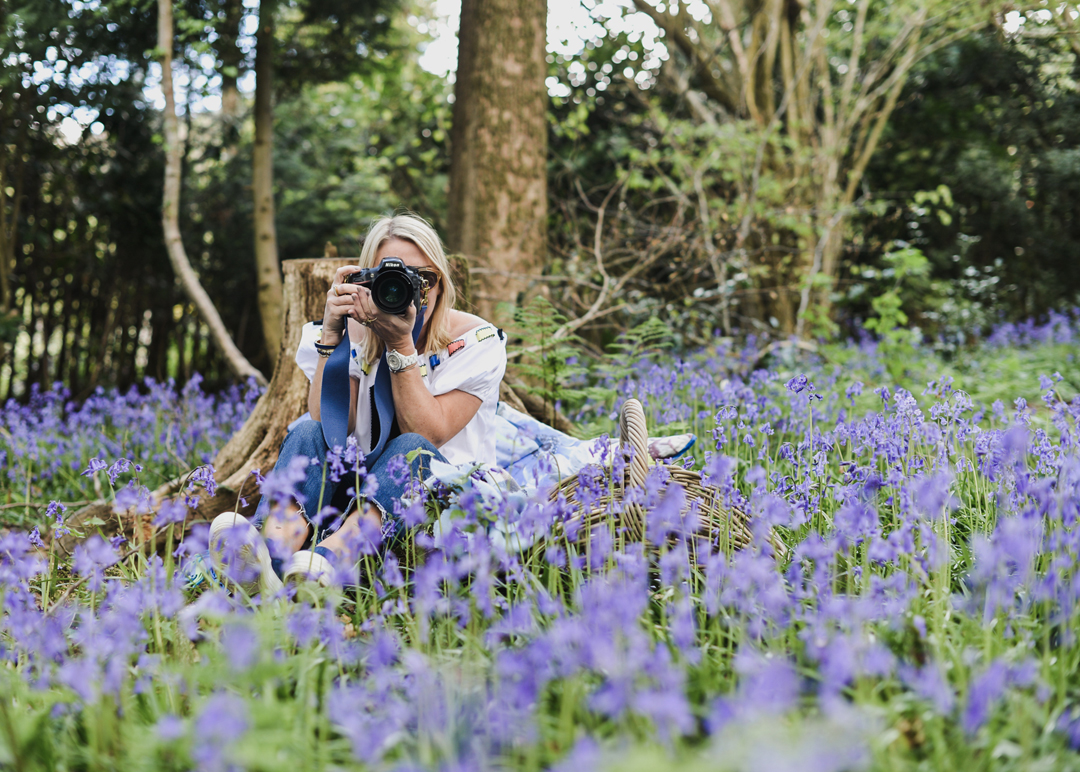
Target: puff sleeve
point(474, 363)
point(307, 358)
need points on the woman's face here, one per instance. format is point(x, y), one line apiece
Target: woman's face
point(414, 258)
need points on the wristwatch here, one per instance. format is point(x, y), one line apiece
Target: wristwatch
point(399, 362)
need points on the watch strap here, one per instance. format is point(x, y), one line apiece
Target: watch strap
point(409, 361)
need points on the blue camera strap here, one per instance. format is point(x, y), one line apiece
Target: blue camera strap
point(335, 396)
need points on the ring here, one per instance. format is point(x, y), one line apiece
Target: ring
point(365, 322)
point(335, 289)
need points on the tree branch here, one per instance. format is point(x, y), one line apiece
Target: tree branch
point(711, 85)
point(170, 210)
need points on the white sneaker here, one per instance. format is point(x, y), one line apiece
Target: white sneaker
point(307, 566)
point(247, 546)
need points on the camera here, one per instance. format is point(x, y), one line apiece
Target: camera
point(393, 285)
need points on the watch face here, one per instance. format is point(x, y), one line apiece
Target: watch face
point(397, 361)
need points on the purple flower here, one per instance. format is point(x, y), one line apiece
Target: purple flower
point(91, 558)
point(172, 511)
point(133, 496)
point(56, 510)
point(585, 754)
point(1069, 724)
point(930, 683)
point(769, 686)
point(280, 486)
point(933, 497)
point(799, 384)
point(119, 467)
point(222, 721)
point(398, 469)
point(35, 538)
point(169, 728)
point(96, 465)
point(983, 694)
point(203, 476)
point(17, 563)
point(241, 645)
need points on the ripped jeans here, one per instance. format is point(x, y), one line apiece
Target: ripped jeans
point(306, 439)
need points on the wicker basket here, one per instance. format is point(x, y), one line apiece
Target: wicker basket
point(720, 527)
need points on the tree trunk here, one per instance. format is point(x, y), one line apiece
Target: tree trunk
point(170, 209)
point(498, 163)
point(267, 267)
point(231, 59)
point(9, 225)
point(256, 444)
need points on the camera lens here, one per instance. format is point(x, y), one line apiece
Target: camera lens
point(392, 293)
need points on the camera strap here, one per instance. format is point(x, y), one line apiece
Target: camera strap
point(335, 397)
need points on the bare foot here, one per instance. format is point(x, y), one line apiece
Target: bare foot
point(286, 532)
point(359, 531)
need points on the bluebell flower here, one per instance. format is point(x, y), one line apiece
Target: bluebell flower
point(169, 727)
point(90, 560)
point(798, 384)
point(170, 511)
point(35, 538)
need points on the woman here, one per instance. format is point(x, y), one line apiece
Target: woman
point(445, 390)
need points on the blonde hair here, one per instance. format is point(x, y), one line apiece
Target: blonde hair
point(413, 228)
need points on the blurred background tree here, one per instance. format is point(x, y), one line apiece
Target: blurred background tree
point(704, 167)
point(995, 121)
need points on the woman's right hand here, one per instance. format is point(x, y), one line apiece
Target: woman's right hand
point(341, 305)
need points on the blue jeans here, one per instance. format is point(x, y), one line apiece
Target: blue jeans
point(306, 439)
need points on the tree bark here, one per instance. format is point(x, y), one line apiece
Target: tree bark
point(9, 225)
point(231, 60)
point(498, 163)
point(170, 210)
point(256, 444)
point(267, 266)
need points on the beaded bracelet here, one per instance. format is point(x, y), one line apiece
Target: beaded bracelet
point(324, 350)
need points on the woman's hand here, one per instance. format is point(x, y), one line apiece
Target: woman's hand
point(341, 305)
point(393, 330)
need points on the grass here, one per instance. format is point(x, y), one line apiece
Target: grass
point(922, 615)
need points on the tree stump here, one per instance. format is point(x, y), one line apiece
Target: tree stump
point(256, 444)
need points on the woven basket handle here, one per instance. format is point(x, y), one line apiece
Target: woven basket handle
point(634, 432)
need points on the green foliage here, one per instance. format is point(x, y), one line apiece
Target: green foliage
point(890, 320)
point(634, 349)
point(994, 119)
point(89, 207)
point(548, 364)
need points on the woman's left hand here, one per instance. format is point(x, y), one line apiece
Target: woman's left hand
point(393, 330)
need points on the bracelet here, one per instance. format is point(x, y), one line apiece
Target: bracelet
point(324, 350)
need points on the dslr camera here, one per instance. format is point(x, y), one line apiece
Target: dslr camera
point(393, 285)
